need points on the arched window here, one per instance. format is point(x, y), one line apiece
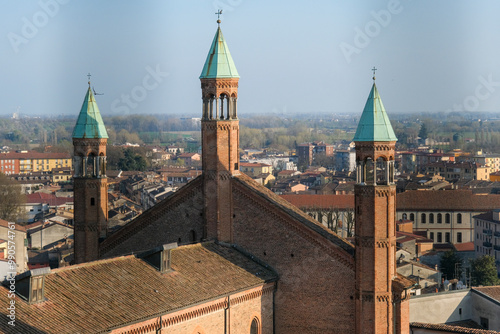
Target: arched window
point(447, 218)
point(412, 217)
point(422, 219)
point(254, 328)
point(431, 218)
point(369, 171)
point(381, 171)
point(459, 218)
point(192, 236)
point(405, 216)
point(440, 218)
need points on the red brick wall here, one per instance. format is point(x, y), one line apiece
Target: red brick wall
point(316, 288)
point(172, 219)
point(217, 316)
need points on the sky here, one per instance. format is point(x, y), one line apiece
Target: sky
point(293, 57)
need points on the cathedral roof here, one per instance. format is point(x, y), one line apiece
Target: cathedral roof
point(219, 63)
point(89, 123)
point(99, 296)
point(374, 124)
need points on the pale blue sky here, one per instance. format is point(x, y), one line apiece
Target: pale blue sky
point(293, 56)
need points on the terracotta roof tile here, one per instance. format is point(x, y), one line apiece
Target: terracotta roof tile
point(18, 227)
point(97, 296)
point(321, 201)
point(450, 200)
point(491, 291)
point(451, 329)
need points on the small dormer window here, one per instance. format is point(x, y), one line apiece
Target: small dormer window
point(30, 285)
point(36, 289)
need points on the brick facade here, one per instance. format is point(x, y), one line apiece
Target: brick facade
point(178, 218)
point(90, 197)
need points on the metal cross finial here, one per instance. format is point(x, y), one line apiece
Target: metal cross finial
point(219, 13)
point(88, 75)
point(374, 69)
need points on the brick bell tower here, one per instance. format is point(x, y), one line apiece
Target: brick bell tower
point(375, 231)
point(90, 181)
point(220, 137)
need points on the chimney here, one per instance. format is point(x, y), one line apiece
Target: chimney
point(159, 257)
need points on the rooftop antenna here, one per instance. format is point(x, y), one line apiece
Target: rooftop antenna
point(374, 69)
point(219, 13)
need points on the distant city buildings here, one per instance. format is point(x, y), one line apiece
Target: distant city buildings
point(24, 162)
point(487, 235)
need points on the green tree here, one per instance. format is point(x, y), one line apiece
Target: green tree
point(12, 200)
point(451, 265)
point(484, 271)
point(423, 133)
point(132, 161)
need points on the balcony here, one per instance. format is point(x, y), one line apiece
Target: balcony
point(487, 232)
point(496, 247)
point(497, 234)
point(487, 244)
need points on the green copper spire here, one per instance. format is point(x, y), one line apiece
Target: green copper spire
point(89, 123)
point(374, 125)
point(219, 63)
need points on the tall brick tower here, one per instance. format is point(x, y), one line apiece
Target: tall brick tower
point(220, 137)
point(90, 181)
point(375, 205)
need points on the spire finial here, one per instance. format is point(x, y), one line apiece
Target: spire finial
point(89, 75)
point(219, 13)
point(374, 69)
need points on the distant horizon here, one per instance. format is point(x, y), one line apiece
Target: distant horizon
point(252, 115)
point(296, 58)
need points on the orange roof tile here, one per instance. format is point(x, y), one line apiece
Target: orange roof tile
point(6, 224)
point(451, 329)
point(98, 296)
point(321, 201)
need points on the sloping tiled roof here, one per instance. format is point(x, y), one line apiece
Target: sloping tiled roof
point(449, 200)
point(97, 296)
point(465, 247)
point(18, 227)
point(321, 201)
point(491, 291)
point(451, 329)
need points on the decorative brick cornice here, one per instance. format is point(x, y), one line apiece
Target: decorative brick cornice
point(219, 305)
point(252, 295)
point(294, 225)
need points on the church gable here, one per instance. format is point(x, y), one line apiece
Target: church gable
point(178, 218)
point(315, 267)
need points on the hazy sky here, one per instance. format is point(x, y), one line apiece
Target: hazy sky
point(292, 56)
